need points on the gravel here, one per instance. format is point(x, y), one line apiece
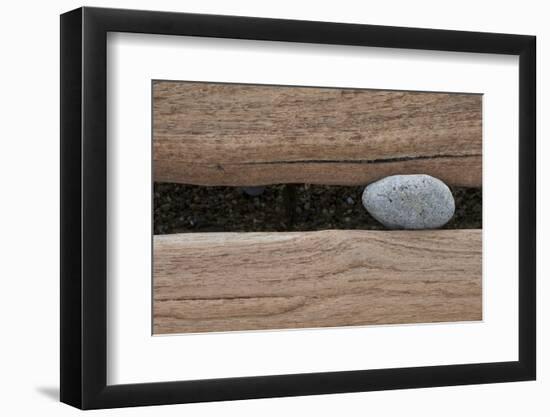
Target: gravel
point(182, 208)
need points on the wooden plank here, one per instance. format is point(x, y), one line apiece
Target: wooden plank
point(249, 281)
point(236, 134)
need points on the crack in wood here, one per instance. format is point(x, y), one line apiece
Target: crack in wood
point(357, 161)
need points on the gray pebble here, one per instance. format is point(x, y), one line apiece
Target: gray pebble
point(253, 191)
point(350, 200)
point(409, 202)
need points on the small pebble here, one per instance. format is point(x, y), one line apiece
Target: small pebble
point(409, 202)
point(350, 200)
point(253, 191)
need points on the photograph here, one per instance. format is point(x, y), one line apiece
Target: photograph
point(295, 207)
point(275, 209)
point(257, 206)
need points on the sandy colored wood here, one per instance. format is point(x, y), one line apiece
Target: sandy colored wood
point(235, 134)
point(244, 281)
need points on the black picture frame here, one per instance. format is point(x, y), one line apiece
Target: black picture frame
point(84, 207)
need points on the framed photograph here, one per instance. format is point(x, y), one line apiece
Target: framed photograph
point(257, 208)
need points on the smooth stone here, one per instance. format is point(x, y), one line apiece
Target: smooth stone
point(253, 191)
point(409, 202)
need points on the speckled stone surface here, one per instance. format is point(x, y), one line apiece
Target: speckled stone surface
point(409, 202)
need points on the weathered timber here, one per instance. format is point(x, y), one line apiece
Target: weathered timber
point(246, 135)
point(249, 281)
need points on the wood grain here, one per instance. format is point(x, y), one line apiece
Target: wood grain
point(245, 281)
point(243, 135)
